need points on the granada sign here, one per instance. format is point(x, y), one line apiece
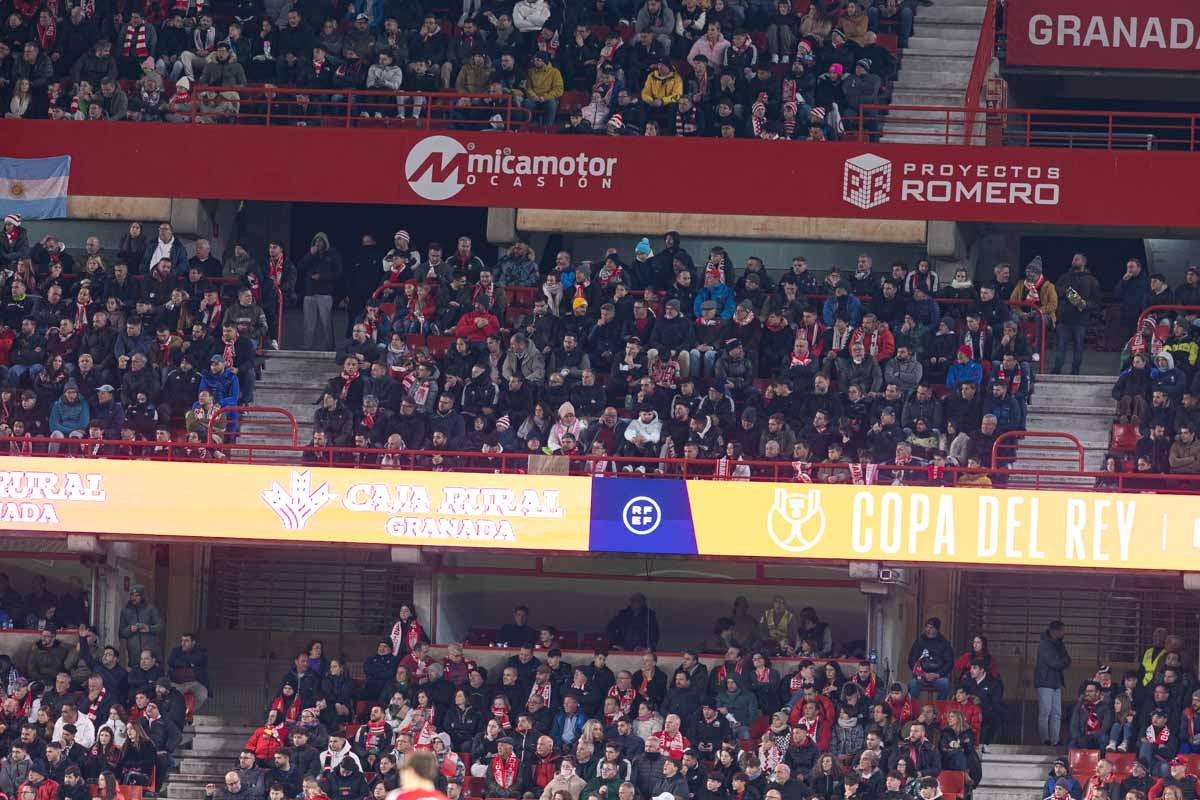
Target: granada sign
point(1164, 35)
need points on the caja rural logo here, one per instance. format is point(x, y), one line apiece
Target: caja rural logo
point(439, 167)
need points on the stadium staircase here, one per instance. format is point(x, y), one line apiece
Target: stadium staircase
point(211, 752)
point(292, 381)
point(1013, 772)
point(936, 69)
point(1080, 405)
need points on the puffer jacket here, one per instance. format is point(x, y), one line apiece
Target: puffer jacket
point(667, 88)
point(545, 82)
point(473, 79)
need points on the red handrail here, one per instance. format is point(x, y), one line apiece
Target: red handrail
point(985, 49)
point(581, 465)
point(1163, 307)
point(1002, 444)
point(267, 104)
point(227, 412)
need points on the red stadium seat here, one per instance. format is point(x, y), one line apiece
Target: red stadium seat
point(1083, 761)
point(362, 708)
point(414, 340)
point(1122, 762)
point(472, 786)
point(1124, 438)
point(132, 792)
point(1193, 763)
point(889, 42)
point(522, 296)
point(439, 345)
point(480, 637)
point(953, 783)
point(569, 639)
point(592, 641)
point(573, 99)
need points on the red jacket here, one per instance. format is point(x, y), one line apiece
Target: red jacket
point(266, 740)
point(962, 665)
point(46, 790)
point(971, 715)
point(903, 711)
point(466, 326)
point(880, 339)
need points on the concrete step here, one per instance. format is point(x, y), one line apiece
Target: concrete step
point(920, 97)
point(1051, 378)
point(1003, 793)
point(1056, 406)
point(955, 60)
point(926, 30)
point(933, 80)
point(953, 13)
point(928, 46)
point(194, 767)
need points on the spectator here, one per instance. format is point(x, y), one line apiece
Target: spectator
point(141, 625)
point(931, 660)
point(1081, 291)
point(1052, 662)
point(634, 627)
point(321, 268)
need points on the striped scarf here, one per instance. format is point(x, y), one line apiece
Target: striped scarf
point(803, 471)
point(46, 35)
point(135, 42)
point(863, 474)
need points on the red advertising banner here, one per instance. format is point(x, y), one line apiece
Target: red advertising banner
point(801, 179)
point(1104, 34)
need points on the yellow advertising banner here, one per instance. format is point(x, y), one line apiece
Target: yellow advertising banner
point(280, 503)
point(961, 526)
point(640, 515)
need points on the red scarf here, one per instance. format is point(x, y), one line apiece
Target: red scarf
point(94, 707)
point(671, 746)
point(543, 691)
point(212, 316)
point(1158, 738)
point(375, 731)
point(1033, 290)
point(797, 360)
point(346, 381)
point(803, 471)
point(863, 474)
point(624, 699)
point(725, 468)
point(46, 35)
point(1093, 719)
point(135, 42)
point(275, 269)
point(811, 725)
point(504, 770)
point(501, 716)
point(81, 315)
point(723, 671)
point(1012, 380)
point(228, 352)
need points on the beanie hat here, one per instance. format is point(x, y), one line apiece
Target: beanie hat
point(643, 247)
point(148, 63)
point(965, 351)
point(403, 233)
point(504, 423)
point(818, 113)
point(616, 121)
point(865, 63)
point(577, 302)
point(15, 219)
point(836, 69)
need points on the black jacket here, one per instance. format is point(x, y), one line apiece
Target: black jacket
point(935, 655)
point(1052, 662)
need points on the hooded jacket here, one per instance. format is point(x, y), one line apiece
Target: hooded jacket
point(1052, 662)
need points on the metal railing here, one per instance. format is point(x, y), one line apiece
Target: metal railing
point(581, 464)
point(1038, 127)
point(346, 108)
point(985, 49)
point(1148, 310)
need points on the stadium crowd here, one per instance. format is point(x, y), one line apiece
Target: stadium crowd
point(1155, 424)
point(81, 718)
point(656, 356)
point(732, 68)
point(542, 727)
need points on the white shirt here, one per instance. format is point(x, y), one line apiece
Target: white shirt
point(161, 250)
point(85, 731)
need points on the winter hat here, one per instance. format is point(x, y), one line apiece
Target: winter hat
point(577, 302)
point(1061, 783)
point(673, 303)
point(504, 423)
point(15, 219)
point(566, 408)
point(616, 121)
point(183, 83)
point(148, 63)
point(643, 247)
point(865, 63)
point(1035, 265)
point(402, 234)
point(818, 113)
point(836, 69)
point(1060, 762)
point(965, 351)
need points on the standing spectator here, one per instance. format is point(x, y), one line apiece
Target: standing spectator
point(321, 268)
point(141, 625)
point(931, 659)
point(1081, 291)
point(1131, 294)
point(1049, 679)
point(634, 627)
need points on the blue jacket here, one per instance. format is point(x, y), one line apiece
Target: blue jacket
point(970, 372)
point(925, 312)
point(560, 722)
point(720, 294)
point(68, 417)
point(853, 308)
point(1073, 787)
point(224, 387)
point(111, 417)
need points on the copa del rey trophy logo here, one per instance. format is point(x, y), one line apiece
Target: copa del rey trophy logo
point(296, 508)
point(796, 521)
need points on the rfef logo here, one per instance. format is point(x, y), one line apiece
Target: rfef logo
point(867, 181)
point(436, 168)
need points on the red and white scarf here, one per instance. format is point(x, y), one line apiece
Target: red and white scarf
point(228, 352)
point(671, 746)
point(346, 381)
point(1033, 289)
point(624, 699)
point(723, 671)
point(1158, 738)
point(542, 690)
point(504, 770)
point(46, 35)
point(803, 471)
point(374, 735)
point(135, 42)
point(863, 474)
point(500, 714)
point(94, 706)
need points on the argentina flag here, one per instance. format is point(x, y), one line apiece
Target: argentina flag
point(35, 188)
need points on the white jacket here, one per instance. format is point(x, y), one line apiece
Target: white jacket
point(530, 15)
